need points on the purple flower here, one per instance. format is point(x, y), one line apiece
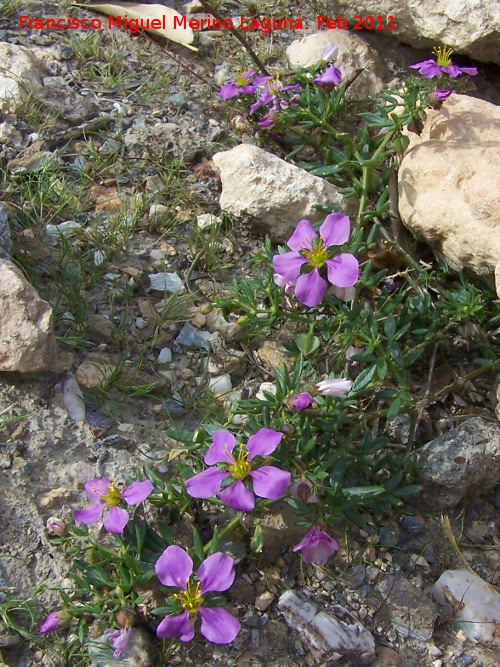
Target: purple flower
point(302, 401)
point(312, 250)
point(270, 92)
point(431, 68)
point(119, 640)
point(244, 83)
point(174, 568)
point(109, 496)
point(268, 481)
point(316, 547)
point(52, 622)
point(337, 387)
point(330, 78)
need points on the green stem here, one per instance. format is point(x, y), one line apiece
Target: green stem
point(228, 528)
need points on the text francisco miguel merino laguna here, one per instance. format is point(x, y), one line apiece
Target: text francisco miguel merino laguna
point(133, 25)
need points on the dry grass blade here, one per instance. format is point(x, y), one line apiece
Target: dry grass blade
point(447, 530)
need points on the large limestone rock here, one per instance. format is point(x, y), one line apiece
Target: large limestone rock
point(20, 70)
point(276, 194)
point(354, 55)
point(27, 342)
point(468, 26)
point(449, 184)
point(461, 463)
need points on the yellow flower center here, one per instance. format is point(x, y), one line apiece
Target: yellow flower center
point(443, 55)
point(274, 86)
point(318, 254)
point(112, 496)
point(190, 598)
point(242, 80)
point(240, 466)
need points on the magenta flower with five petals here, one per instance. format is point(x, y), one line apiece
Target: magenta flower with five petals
point(119, 639)
point(268, 481)
point(216, 574)
point(316, 547)
point(245, 83)
point(442, 65)
point(108, 496)
point(310, 250)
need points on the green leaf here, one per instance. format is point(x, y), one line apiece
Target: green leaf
point(394, 409)
point(327, 171)
point(396, 354)
point(307, 344)
point(409, 490)
point(364, 378)
point(198, 546)
point(364, 492)
point(381, 368)
point(390, 326)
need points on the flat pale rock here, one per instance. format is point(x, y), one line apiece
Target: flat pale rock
point(27, 342)
point(468, 26)
point(354, 54)
point(449, 184)
point(476, 605)
point(275, 194)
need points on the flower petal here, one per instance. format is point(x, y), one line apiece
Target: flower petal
point(343, 270)
point(176, 626)
point(97, 488)
point(310, 288)
point(335, 230)
point(116, 520)
point(228, 91)
point(174, 567)
point(137, 492)
point(302, 236)
point(270, 482)
point(238, 497)
point(288, 265)
point(216, 573)
point(263, 442)
point(89, 514)
point(218, 626)
point(220, 450)
point(337, 387)
point(206, 484)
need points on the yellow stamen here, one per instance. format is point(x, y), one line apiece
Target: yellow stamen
point(240, 466)
point(318, 254)
point(190, 598)
point(112, 496)
point(443, 55)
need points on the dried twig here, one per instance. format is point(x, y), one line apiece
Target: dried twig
point(206, 5)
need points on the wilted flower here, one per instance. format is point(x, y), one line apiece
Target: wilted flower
point(268, 481)
point(330, 78)
point(244, 83)
point(302, 401)
point(316, 547)
point(431, 68)
point(109, 497)
point(302, 489)
point(216, 574)
point(337, 387)
point(54, 621)
point(56, 527)
point(119, 639)
point(313, 251)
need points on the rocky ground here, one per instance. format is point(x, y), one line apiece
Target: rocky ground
point(139, 120)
